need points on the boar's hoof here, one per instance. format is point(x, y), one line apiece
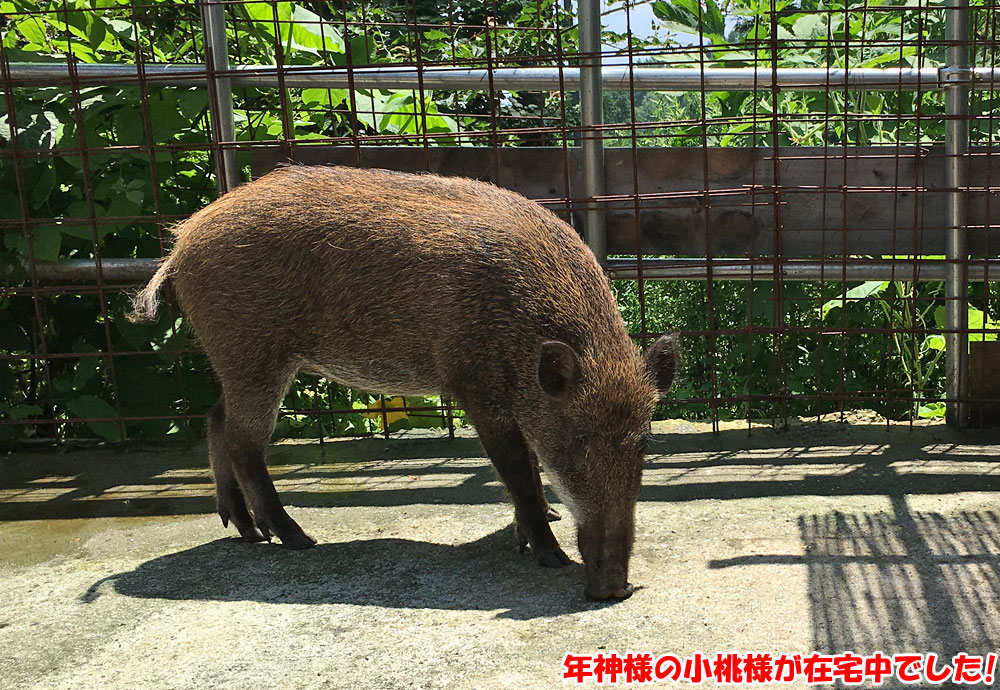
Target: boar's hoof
point(298, 541)
point(552, 515)
point(552, 557)
point(549, 555)
point(251, 533)
point(242, 522)
point(285, 529)
point(615, 594)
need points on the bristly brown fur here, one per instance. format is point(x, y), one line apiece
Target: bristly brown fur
point(411, 284)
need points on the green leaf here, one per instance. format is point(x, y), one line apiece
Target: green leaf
point(99, 34)
point(686, 17)
point(977, 320)
point(86, 368)
point(191, 102)
point(122, 30)
point(362, 51)
point(46, 243)
point(62, 385)
point(894, 56)
point(329, 98)
point(809, 26)
point(36, 129)
point(858, 292)
point(939, 317)
point(32, 29)
point(43, 186)
point(263, 14)
point(934, 342)
point(931, 410)
point(311, 32)
point(17, 412)
point(80, 50)
point(129, 127)
point(89, 407)
point(441, 123)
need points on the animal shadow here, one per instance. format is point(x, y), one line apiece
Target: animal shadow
point(487, 574)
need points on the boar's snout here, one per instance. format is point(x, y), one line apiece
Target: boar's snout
point(606, 549)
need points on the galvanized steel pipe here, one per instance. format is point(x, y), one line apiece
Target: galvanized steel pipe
point(956, 139)
point(795, 270)
point(591, 119)
point(223, 118)
point(140, 270)
point(612, 77)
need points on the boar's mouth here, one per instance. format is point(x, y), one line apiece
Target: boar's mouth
point(616, 594)
point(607, 580)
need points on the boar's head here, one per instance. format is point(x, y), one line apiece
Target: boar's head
point(590, 438)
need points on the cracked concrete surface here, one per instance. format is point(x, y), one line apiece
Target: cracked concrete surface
point(115, 572)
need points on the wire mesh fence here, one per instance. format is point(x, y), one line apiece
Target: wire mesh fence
point(803, 190)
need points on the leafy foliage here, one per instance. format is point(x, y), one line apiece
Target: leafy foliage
point(744, 371)
point(106, 169)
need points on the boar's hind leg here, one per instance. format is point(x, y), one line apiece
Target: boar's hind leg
point(519, 472)
point(228, 495)
point(250, 409)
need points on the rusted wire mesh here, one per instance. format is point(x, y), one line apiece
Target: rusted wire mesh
point(776, 186)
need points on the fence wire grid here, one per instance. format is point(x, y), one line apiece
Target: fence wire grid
point(802, 189)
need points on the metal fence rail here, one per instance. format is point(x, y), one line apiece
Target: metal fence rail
point(612, 77)
point(722, 268)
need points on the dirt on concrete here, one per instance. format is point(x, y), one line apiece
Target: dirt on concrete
point(115, 572)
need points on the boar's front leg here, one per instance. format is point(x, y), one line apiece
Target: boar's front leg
point(551, 514)
point(517, 467)
point(247, 413)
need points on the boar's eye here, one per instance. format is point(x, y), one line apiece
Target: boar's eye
point(579, 445)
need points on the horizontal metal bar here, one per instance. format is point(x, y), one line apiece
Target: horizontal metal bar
point(829, 270)
point(85, 271)
point(141, 270)
point(614, 77)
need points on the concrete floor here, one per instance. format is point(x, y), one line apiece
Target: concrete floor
point(115, 573)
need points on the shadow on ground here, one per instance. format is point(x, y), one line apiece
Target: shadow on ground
point(900, 581)
point(123, 483)
point(120, 482)
point(481, 575)
point(906, 580)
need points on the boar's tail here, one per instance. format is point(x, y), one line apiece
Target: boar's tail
point(145, 304)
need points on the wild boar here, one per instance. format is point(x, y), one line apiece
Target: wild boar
point(418, 284)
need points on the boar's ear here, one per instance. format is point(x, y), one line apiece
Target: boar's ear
point(558, 368)
point(661, 358)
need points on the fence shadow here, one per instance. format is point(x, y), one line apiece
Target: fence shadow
point(904, 581)
point(122, 482)
point(822, 460)
point(899, 582)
